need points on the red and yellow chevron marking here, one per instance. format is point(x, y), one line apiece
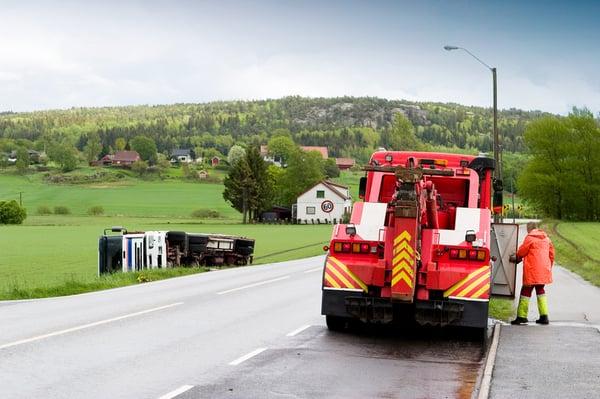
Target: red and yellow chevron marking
point(338, 275)
point(475, 286)
point(402, 263)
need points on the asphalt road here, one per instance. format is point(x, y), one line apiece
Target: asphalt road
point(246, 332)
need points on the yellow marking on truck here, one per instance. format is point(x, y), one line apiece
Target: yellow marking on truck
point(349, 272)
point(402, 276)
point(404, 246)
point(483, 289)
point(341, 278)
point(404, 236)
point(473, 275)
point(331, 281)
point(403, 266)
point(474, 284)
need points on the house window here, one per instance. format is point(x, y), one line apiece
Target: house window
point(320, 194)
point(310, 210)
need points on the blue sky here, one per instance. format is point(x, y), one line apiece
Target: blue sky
point(64, 54)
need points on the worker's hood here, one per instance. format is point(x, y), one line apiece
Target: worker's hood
point(537, 233)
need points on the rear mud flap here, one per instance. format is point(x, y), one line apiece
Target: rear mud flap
point(438, 313)
point(370, 309)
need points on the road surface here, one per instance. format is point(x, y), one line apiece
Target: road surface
point(245, 332)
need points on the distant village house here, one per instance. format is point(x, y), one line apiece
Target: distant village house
point(182, 156)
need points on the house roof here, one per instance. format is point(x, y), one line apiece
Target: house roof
point(345, 161)
point(127, 156)
point(334, 187)
point(323, 150)
point(179, 152)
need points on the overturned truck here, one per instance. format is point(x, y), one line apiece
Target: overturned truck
point(133, 251)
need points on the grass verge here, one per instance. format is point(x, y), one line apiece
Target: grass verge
point(75, 285)
point(576, 247)
point(501, 309)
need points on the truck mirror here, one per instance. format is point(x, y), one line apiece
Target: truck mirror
point(362, 187)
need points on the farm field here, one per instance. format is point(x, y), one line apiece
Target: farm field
point(130, 197)
point(40, 254)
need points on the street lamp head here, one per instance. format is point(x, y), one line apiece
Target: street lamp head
point(450, 48)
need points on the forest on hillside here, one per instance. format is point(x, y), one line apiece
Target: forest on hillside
point(349, 126)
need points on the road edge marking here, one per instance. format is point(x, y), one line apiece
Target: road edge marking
point(250, 355)
point(253, 285)
point(298, 330)
point(316, 269)
point(178, 391)
point(85, 326)
point(484, 387)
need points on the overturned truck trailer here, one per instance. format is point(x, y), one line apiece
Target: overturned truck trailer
point(133, 251)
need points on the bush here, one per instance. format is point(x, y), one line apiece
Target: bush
point(96, 210)
point(11, 212)
point(205, 214)
point(61, 210)
point(44, 210)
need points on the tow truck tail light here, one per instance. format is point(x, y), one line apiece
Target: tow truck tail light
point(354, 247)
point(471, 254)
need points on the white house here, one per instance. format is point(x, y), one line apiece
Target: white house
point(326, 201)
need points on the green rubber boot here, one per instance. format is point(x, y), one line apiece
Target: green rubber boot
point(542, 302)
point(522, 311)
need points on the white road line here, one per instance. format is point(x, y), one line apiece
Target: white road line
point(176, 392)
point(248, 356)
point(89, 325)
point(316, 269)
point(298, 331)
point(253, 285)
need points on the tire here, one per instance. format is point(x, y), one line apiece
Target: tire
point(336, 323)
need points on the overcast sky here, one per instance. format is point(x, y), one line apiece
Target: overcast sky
point(68, 54)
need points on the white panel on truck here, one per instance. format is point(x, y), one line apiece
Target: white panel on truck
point(133, 252)
point(156, 249)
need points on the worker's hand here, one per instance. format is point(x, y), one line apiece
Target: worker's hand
point(513, 258)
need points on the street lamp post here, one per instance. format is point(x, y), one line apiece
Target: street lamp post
point(497, 148)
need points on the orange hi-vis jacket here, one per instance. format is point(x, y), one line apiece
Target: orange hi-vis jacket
point(537, 253)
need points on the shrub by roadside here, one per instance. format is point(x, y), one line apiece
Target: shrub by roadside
point(11, 212)
point(61, 210)
point(96, 210)
point(206, 214)
point(44, 210)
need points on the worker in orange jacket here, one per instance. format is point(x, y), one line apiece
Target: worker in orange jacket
point(537, 253)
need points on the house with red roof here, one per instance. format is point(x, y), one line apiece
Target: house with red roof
point(325, 202)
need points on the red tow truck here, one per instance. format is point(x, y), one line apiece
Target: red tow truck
point(417, 248)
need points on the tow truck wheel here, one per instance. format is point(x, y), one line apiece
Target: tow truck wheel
point(335, 323)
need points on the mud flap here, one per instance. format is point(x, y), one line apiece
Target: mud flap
point(505, 239)
point(370, 309)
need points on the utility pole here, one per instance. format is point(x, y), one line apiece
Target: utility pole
point(497, 145)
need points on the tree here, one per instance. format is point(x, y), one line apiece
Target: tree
point(282, 147)
point(146, 147)
point(63, 154)
point(93, 147)
point(260, 195)
point(238, 183)
point(401, 136)
point(304, 170)
point(559, 180)
point(331, 169)
point(23, 160)
point(120, 144)
point(11, 212)
point(236, 153)
point(139, 168)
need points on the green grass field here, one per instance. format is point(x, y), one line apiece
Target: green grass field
point(57, 254)
point(39, 254)
point(577, 247)
point(130, 197)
